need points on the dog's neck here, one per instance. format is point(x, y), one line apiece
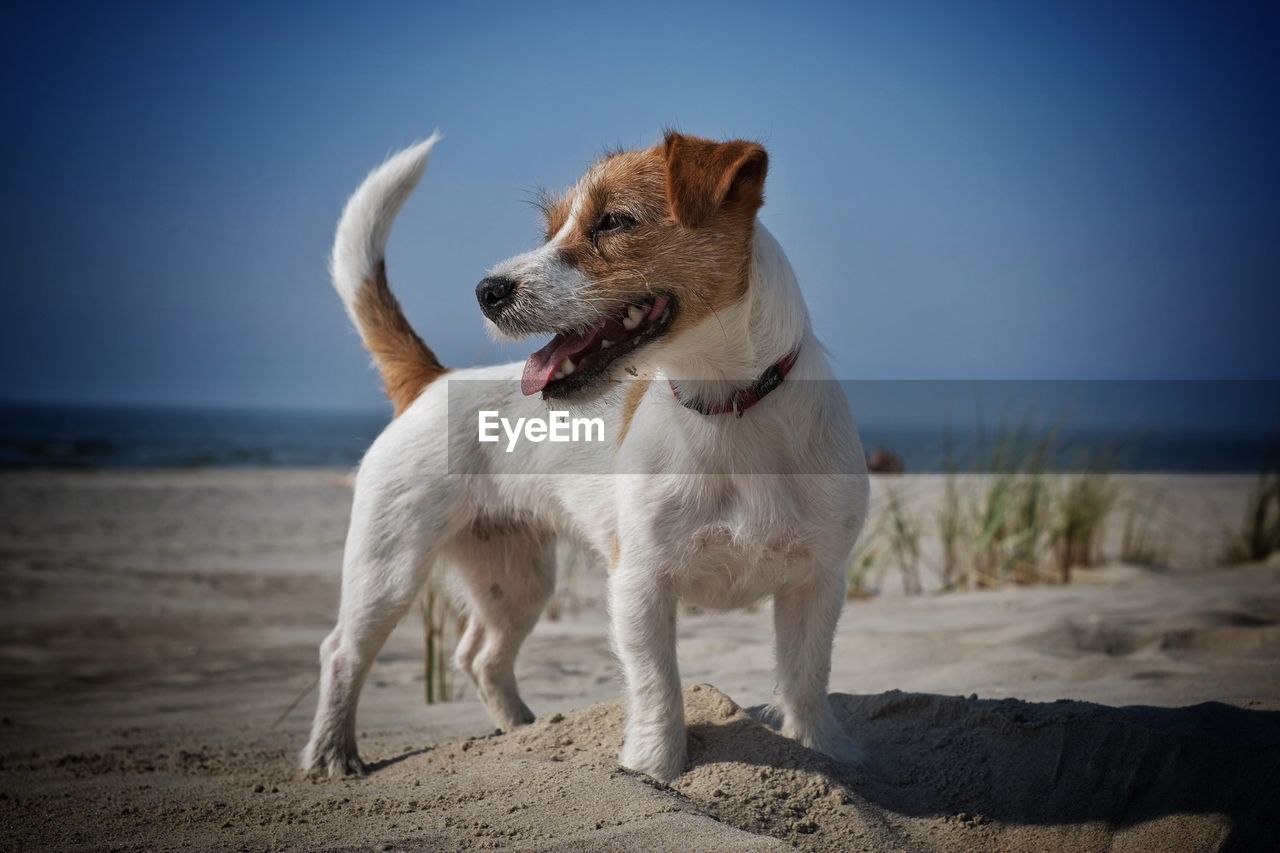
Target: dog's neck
point(733, 347)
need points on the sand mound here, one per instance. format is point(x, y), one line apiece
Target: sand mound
point(953, 772)
point(949, 773)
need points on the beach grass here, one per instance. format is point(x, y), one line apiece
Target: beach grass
point(438, 639)
point(1081, 513)
point(952, 527)
point(866, 562)
point(903, 533)
point(1258, 536)
point(1143, 541)
point(1012, 520)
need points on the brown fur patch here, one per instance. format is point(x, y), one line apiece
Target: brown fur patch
point(555, 212)
point(704, 177)
point(406, 363)
point(629, 406)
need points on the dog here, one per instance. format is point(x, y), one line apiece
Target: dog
point(733, 471)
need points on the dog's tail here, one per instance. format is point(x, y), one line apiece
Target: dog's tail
point(359, 271)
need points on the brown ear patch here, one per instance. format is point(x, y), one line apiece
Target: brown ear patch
point(704, 176)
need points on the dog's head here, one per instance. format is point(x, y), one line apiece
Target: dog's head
point(648, 244)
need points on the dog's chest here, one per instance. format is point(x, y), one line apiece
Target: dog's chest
point(725, 566)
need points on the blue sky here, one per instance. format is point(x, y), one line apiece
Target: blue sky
point(989, 190)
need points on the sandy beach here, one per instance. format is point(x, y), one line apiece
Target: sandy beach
point(157, 624)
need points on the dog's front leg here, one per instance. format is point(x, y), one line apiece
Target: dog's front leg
point(804, 620)
point(642, 608)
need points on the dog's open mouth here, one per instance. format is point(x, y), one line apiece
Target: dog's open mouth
point(570, 361)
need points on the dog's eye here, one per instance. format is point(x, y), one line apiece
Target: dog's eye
point(609, 223)
point(613, 221)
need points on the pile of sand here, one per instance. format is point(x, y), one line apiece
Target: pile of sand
point(949, 773)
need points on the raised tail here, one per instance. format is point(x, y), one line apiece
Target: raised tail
point(359, 271)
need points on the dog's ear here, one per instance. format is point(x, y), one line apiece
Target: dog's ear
point(704, 177)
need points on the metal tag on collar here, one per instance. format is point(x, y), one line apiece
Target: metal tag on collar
point(769, 380)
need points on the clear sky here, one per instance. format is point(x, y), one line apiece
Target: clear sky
point(968, 190)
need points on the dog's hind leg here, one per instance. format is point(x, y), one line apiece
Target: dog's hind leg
point(805, 619)
point(507, 573)
point(469, 645)
point(390, 550)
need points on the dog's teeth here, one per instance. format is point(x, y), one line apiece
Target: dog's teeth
point(635, 315)
point(567, 366)
point(605, 343)
point(559, 375)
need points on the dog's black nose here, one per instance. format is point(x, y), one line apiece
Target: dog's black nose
point(494, 293)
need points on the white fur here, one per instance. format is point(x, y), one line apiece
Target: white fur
point(688, 530)
point(361, 240)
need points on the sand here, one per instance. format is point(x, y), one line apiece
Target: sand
point(156, 624)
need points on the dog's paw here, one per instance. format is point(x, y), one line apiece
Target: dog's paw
point(770, 716)
point(507, 712)
point(661, 758)
point(844, 749)
point(522, 717)
point(332, 762)
point(834, 742)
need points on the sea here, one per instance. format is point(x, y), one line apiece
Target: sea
point(1228, 427)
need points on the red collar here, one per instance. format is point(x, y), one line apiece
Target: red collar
point(744, 398)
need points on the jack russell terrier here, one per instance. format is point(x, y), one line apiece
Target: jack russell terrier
point(734, 471)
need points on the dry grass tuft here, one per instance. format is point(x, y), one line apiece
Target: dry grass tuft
point(1142, 538)
point(441, 626)
point(1259, 534)
point(1081, 513)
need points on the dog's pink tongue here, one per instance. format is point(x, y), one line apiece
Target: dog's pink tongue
point(541, 366)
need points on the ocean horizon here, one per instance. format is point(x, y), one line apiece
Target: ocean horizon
point(920, 423)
